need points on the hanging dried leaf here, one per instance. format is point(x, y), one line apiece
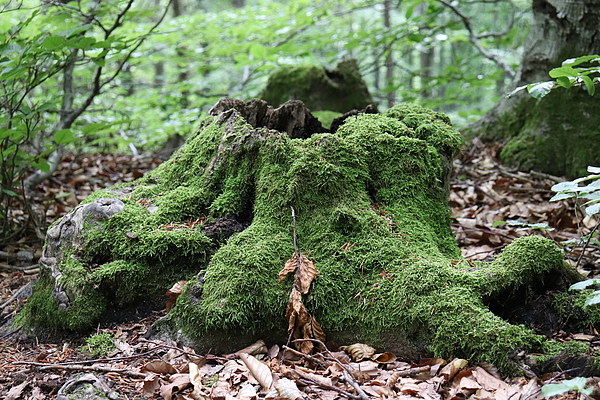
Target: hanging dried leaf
point(305, 275)
point(290, 266)
point(260, 371)
point(359, 351)
point(287, 389)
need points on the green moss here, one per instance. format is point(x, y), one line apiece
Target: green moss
point(552, 349)
point(339, 90)
point(99, 345)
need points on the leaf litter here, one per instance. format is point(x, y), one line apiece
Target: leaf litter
point(491, 205)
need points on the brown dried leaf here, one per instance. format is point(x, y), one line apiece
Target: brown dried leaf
point(305, 275)
point(260, 371)
point(150, 385)
point(174, 293)
point(287, 389)
point(159, 367)
point(178, 382)
point(359, 351)
point(384, 358)
point(290, 266)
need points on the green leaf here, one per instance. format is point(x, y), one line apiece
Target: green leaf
point(564, 186)
point(258, 51)
point(593, 209)
point(595, 299)
point(584, 284)
point(64, 136)
point(9, 192)
point(562, 196)
point(53, 42)
point(589, 84)
point(564, 82)
point(539, 90)
point(567, 385)
point(498, 223)
point(579, 60)
point(563, 71)
point(83, 43)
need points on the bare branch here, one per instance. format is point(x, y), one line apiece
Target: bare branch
point(474, 40)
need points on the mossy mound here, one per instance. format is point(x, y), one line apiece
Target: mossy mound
point(340, 90)
point(371, 213)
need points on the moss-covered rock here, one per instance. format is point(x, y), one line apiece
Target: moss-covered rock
point(371, 214)
point(341, 89)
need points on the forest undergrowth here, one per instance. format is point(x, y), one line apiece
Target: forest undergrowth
point(491, 205)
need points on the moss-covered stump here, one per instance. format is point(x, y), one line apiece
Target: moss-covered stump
point(371, 213)
point(339, 90)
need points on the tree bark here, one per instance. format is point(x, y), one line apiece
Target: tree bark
point(558, 133)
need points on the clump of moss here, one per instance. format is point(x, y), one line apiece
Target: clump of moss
point(99, 345)
point(341, 89)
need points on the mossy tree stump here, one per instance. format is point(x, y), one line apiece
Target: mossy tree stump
point(371, 204)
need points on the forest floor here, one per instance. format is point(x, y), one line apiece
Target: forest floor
point(483, 194)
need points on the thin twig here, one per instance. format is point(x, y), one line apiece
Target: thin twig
point(348, 374)
point(587, 242)
point(80, 367)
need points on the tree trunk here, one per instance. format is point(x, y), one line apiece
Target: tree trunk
point(557, 134)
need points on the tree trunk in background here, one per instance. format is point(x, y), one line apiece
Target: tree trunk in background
point(389, 59)
point(426, 63)
point(557, 134)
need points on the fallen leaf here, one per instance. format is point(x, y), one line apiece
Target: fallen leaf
point(178, 382)
point(260, 371)
point(359, 351)
point(159, 367)
point(287, 389)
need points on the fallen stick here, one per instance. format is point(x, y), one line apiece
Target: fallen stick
point(80, 367)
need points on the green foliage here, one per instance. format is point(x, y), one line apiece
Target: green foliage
point(575, 384)
point(570, 73)
point(55, 60)
point(581, 188)
point(99, 345)
point(589, 191)
point(524, 226)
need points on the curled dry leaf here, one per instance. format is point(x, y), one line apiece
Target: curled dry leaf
point(159, 367)
point(359, 351)
point(260, 371)
point(196, 381)
point(384, 358)
point(178, 382)
point(150, 385)
point(259, 347)
point(287, 389)
point(450, 370)
point(174, 293)
point(247, 392)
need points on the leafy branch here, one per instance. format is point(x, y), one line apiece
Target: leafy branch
point(569, 74)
